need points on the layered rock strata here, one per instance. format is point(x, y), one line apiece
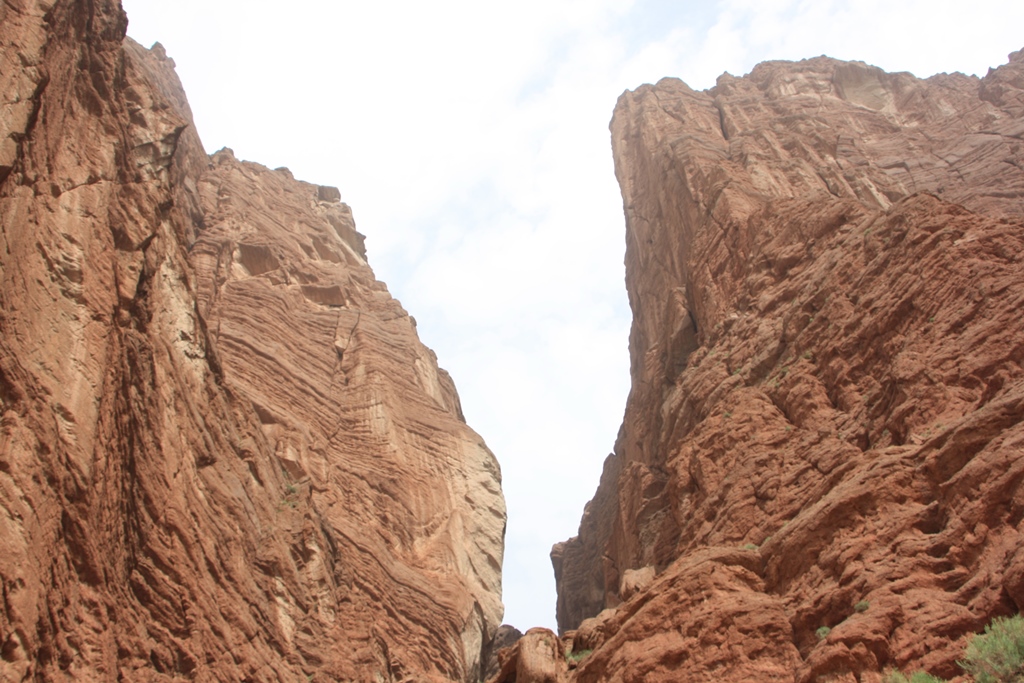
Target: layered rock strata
point(818, 476)
point(224, 453)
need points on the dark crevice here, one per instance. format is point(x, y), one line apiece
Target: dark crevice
point(21, 138)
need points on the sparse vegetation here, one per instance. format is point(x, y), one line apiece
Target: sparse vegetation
point(749, 546)
point(290, 499)
point(916, 677)
point(576, 657)
point(997, 655)
point(823, 632)
point(862, 606)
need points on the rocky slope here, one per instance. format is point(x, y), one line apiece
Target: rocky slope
point(818, 476)
point(224, 454)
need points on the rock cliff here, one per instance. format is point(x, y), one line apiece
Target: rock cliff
point(224, 453)
point(819, 472)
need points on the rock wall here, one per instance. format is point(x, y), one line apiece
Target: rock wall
point(224, 454)
point(819, 470)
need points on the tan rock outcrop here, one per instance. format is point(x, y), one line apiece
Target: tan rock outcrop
point(825, 264)
point(506, 636)
point(536, 657)
point(224, 454)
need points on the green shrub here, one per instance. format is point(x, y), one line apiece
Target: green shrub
point(862, 606)
point(749, 546)
point(577, 656)
point(916, 677)
point(997, 655)
point(823, 632)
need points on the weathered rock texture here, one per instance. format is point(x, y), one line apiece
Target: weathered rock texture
point(825, 264)
point(536, 657)
point(224, 454)
point(505, 637)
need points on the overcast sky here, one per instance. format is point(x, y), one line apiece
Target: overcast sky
point(471, 141)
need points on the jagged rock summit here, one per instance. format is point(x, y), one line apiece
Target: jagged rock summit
point(819, 473)
point(224, 453)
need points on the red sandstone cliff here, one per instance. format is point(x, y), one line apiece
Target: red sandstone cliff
point(224, 454)
point(825, 264)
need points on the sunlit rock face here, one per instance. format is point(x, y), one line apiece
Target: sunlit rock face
point(224, 453)
point(825, 264)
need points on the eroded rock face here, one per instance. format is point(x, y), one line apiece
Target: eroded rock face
point(506, 636)
point(356, 411)
point(224, 454)
point(536, 657)
point(825, 264)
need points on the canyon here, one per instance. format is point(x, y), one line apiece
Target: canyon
point(225, 455)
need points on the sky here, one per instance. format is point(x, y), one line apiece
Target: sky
point(471, 141)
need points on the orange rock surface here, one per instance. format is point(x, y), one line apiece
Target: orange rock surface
point(224, 453)
point(821, 457)
point(536, 657)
